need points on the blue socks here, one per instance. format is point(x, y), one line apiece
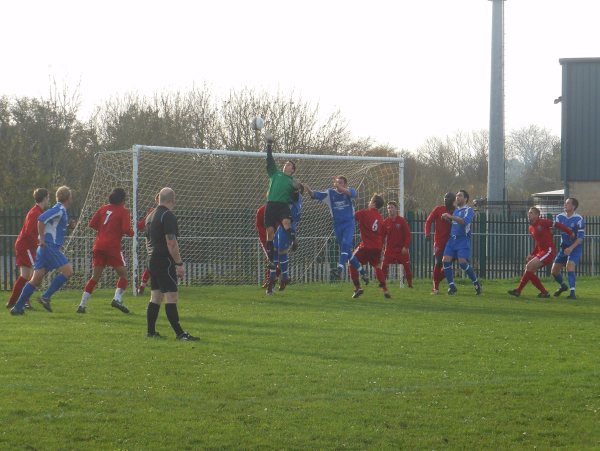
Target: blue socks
point(559, 279)
point(58, 282)
point(571, 277)
point(343, 259)
point(469, 270)
point(28, 290)
point(283, 266)
point(448, 272)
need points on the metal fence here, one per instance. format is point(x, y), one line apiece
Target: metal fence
point(500, 244)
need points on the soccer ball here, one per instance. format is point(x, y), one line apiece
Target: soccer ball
point(258, 123)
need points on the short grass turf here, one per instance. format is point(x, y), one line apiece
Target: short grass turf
point(308, 368)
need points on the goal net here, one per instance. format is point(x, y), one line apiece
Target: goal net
point(217, 193)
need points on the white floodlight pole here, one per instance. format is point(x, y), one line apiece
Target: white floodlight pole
point(496, 163)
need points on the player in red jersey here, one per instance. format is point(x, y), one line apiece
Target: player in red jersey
point(543, 253)
point(111, 222)
point(370, 224)
point(440, 237)
point(396, 234)
point(262, 239)
point(26, 245)
point(141, 226)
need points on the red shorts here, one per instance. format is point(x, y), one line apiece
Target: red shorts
point(396, 258)
point(438, 249)
point(101, 258)
point(25, 255)
point(546, 256)
point(370, 255)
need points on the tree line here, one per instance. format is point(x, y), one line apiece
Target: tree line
point(44, 142)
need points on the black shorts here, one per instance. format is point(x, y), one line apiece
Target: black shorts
point(277, 212)
point(163, 275)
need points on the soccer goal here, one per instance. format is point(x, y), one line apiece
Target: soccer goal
point(217, 193)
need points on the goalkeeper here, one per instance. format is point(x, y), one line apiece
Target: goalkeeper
point(279, 198)
point(282, 244)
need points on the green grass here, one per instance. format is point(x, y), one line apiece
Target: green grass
point(309, 368)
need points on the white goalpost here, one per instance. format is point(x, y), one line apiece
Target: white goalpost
point(217, 193)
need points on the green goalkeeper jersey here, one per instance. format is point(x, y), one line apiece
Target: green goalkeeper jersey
point(281, 185)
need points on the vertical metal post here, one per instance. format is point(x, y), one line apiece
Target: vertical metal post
point(496, 163)
point(135, 154)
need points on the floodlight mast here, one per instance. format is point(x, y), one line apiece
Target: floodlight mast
point(496, 188)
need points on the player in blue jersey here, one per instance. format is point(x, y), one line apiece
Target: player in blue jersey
point(571, 248)
point(52, 228)
point(339, 200)
point(459, 243)
point(283, 244)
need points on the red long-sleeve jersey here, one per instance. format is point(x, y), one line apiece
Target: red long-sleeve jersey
point(396, 233)
point(541, 231)
point(28, 236)
point(111, 222)
point(442, 227)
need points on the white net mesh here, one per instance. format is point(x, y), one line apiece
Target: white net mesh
point(217, 194)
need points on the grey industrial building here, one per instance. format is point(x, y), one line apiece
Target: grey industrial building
point(580, 132)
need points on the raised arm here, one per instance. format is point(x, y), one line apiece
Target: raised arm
point(271, 166)
point(564, 228)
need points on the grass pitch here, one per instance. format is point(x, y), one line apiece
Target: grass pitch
point(309, 368)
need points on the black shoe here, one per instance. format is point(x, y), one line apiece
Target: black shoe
point(561, 290)
point(15, 312)
point(387, 295)
point(119, 305)
point(572, 295)
point(140, 290)
point(45, 303)
point(515, 293)
point(335, 274)
point(28, 305)
point(284, 283)
point(187, 337)
point(365, 279)
point(452, 289)
point(154, 335)
point(477, 288)
point(269, 290)
point(357, 293)
point(80, 309)
point(543, 295)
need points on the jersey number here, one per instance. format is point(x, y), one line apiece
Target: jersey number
point(108, 213)
point(375, 226)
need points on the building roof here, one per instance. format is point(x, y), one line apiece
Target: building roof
point(557, 192)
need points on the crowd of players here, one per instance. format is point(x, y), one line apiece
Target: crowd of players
point(383, 242)
point(386, 241)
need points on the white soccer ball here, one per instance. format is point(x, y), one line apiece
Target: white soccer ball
point(258, 123)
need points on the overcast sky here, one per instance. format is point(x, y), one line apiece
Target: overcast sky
point(400, 71)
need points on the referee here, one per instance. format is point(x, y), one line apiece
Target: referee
point(165, 265)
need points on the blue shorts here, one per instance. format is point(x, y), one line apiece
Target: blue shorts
point(344, 233)
point(458, 247)
point(282, 239)
point(49, 257)
point(563, 259)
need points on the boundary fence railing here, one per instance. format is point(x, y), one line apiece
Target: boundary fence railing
point(499, 246)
